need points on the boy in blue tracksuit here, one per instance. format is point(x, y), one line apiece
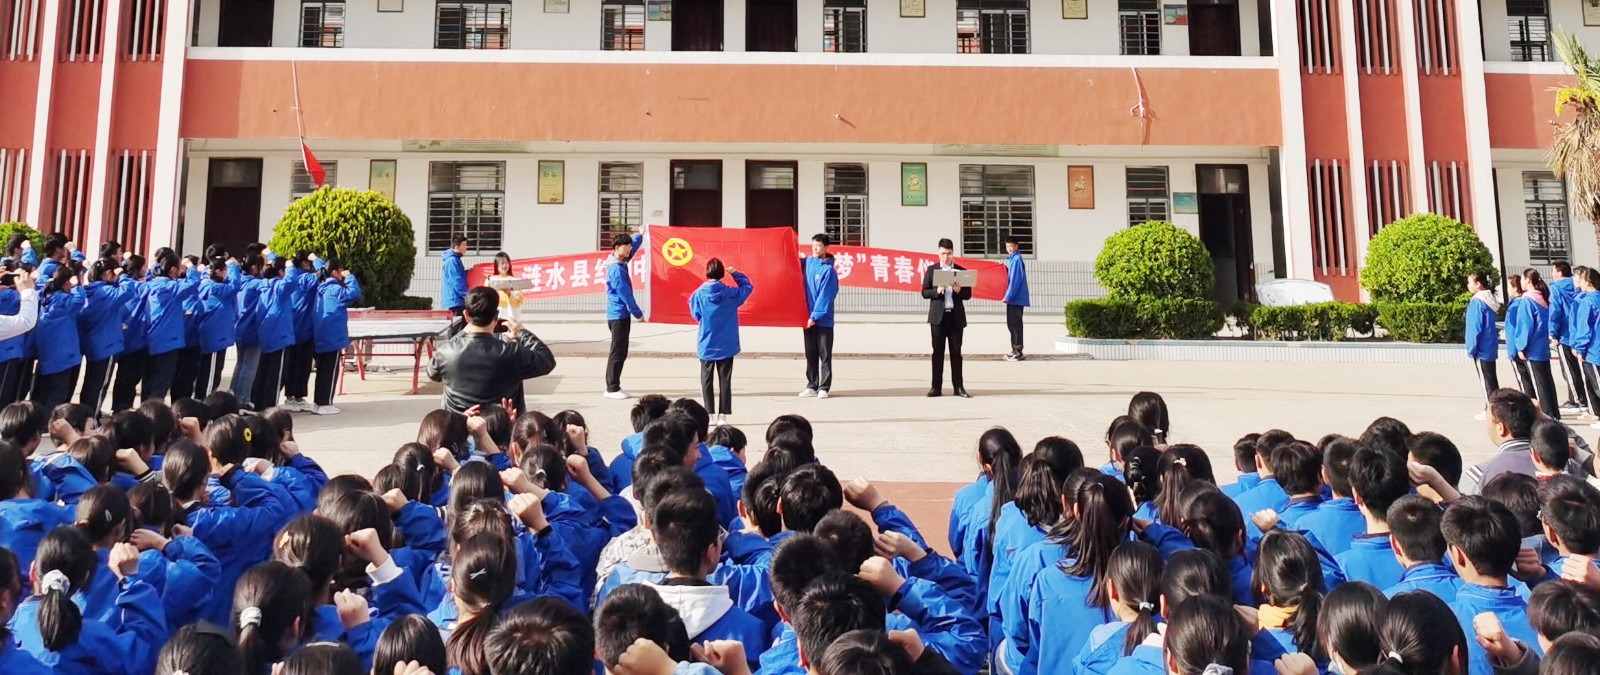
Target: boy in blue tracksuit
point(301, 280)
point(1482, 339)
point(133, 359)
point(688, 536)
point(1377, 481)
point(716, 306)
point(1563, 295)
point(100, 327)
point(164, 299)
point(55, 342)
point(275, 306)
point(1483, 539)
point(1528, 345)
point(1419, 546)
point(247, 332)
point(12, 350)
point(187, 373)
point(454, 289)
point(621, 309)
point(338, 290)
point(218, 309)
point(822, 287)
point(1016, 296)
point(1337, 521)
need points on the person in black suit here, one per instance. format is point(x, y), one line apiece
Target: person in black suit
point(947, 320)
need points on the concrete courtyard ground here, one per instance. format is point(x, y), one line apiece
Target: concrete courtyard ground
point(881, 427)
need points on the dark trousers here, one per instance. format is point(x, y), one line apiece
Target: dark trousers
point(819, 357)
point(1591, 383)
point(264, 391)
point(1533, 377)
point(131, 368)
point(1487, 376)
point(1572, 372)
point(620, 330)
point(1014, 326)
point(722, 372)
point(11, 381)
point(96, 379)
point(208, 373)
point(297, 369)
point(53, 389)
point(948, 333)
point(159, 370)
point(328, 368)
point(186, 371)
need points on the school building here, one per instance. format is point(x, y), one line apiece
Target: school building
point(1283, 133)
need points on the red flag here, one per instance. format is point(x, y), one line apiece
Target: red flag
point(678, 257)
point(313, 167)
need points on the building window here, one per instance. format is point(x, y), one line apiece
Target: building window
point(322, 23)
point(844, 26)
point(622, 25)
point(473, 25)
point(1544, 199)
point(469, 199)
point(1148, 198)
point(992, 27)
point(844, 203)
point(300, 183)
point(1529, 25)
point(1140, 25)
point(621, 200)
point(996, 202)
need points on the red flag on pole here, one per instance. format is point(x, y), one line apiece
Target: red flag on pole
point(678, 257)
point(313, 167)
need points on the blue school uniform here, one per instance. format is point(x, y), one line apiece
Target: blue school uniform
point(276, 312)
point(127, 644)
point(135, 315)
point(1016, 281)
point(1562, 294)
point(1371, 559)
point(1335, 522)
point(301, 287)
point(716, 306)
point(943, 628)
point(717, 484)
point(240, 533)
point(247, 308)
point(1268, 495)
point(962, 535)
point(709, 614)
point(47, 269)
point(1246, 482)
point(10, 305)
point(1435, 578)
point(1504, 603)
point(1585, 312)
point(1482, 339)
point(1240, 569)
point(164, 300)
point(1057, 605)
point(26, 522)
point(620, 303)
point(1111, 469)
point(1298, 509)
point(622, 465)
point(55, 337)
point(100, 322)
point(1528, 330)
point(822, 286)
point(334, 299)
point(722, 455)
point(15, 661)
point(1102, 650)
point(454, 288)
point(1012, 535)
point(218, 309)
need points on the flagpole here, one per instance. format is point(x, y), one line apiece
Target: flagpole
point(299, 117)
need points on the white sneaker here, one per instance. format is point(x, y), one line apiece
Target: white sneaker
point(823, 394)
point(616, 395)
point(1480, 417)
point(808, 393)
point(298, 405)
point(326, 410)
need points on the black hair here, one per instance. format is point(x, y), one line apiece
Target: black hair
point(1414, 527)
point(534, 427)
point(185, 469)
point(1269, 441)
point(221, 402)
point(339, 486)
point(796, 561)
point(1337, 453)
point(695, 412)
point(1350, 623)
point(1485, 532)
point(684, 525)
point(485, 516)
point(1065, 530)
point(323, 658)
point(1420, 635)
point(77, 416)
point(1572, 654)
point(497, 423)
point(621, 239)
point(947, 245)
point(999, 455)
point(647, 409)
point(663, 483)
point(188, 407)
point(714, 269)
point(201, 649)
point(281, 595)
point(23, 422)
point(1141, 472)
point(832, 605)
point(1039, 491)
point(1559, 607)
point(1205, 630)
point(1551, 446)
point(1562, 266)
point(1387, 434)
point(410, 638)
point(455, 240)
point(792, 445)
point(1135, 571)
point(1126, 434)
point(1297, 466)
point(760, 494)
point(1570, 506)
point(1194, 572)
point(1288, 570)
point(154, 507)
point(1378, 479)
point(97, 455)
point(865, 652)
point(567, 418)
point(1536, 280)
point(822, 238)
point(483, 576)
point(1513, 409)
point(850, 537)
point(1150, 410)
point(101, 510)
point(314, 545)
point(1212, 521)
point(225, 438)
point(728, 436)
point(263, 440)
point(1519, 493)
point(808, 493)
point(163, 423)
point(444, 429)
point(16, 481)
point(14, 243)
point(632, 612)
point(545, 466)
point(130, 429)
point(1180, 466)
point(353, 512)
point(1103, 510)
point(421, 477)
point(474, 481)
point(67, 551)
point(796, 423)
point(541, 637)
point(670, 432)
point(283, 420)
point(1244, 453)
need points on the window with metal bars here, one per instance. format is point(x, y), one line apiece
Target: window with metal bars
point(1139, 24)
point(1528, 22)
point(621, 199)
point(322, 23)
point(300, 183)
point(1148, 197)
point(992, 27)
point(81, 28)
point(844, 203)
point(466, 198)
point(142, 40)
point(996, 202)
point(844, 26)
point(622, 25)
point(1544, 200)
point(473, 25)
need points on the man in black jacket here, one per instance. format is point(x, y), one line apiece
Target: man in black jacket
point(947, 320)
point(482, 362)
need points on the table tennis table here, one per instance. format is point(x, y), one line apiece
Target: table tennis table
point(370, 328)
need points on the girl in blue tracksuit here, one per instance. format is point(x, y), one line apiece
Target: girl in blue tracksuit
point(100, 327)
point(1528, 342)
point(187, 372)
point(1135, 572)
point(247, 333)
point(1288, 580)
point(716, 306)
point(126, 643)
point(180, 570)
point(338, 290)
point(1482, 340)
point(1585, 313)
point(1055, 468)
point(27, 519)
point(13, 661)
point(972, 532)
point(218, 307)
point(134, 357)
point(55, 340)
point(165, 295)
point(275, 306)
point(12, 350)
point(300, 279)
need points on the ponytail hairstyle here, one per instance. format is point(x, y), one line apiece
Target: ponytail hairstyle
point(329, 266)
point(444, 429)
point(59, 280)
point(1532, 279)
point(272, 604)
point(497, 423)
point(1135, 575)
point(351, 513)
point(1066, 528)
point(999, 456)
point(1348, 627)
point(422, 477)
point(410, 638)
point(1180, 465)
point(1194, 572)
point(64, 564)
point(11, 590)
point(475, 481)
point(339, 486)
point(228, 439)
point(134, 266)
point(1126, 434)
point(575, 418)
point(324, 658)
point(485, 516)
point(1288, 575)
point(1149, 409)
point(1043, 471)
point(163, 424)
point(200, 649)
point(392, 477)
point(185, 469)
point(263, 439)
point(97, 454)
point(1205, 631)
point(154, 508)
point(546, 466)
point(1572, 654)
point(1141, 472)
point(1212, 521)
point(100, 268)
point(283, 420)
point(314, 545)
point(533, 427)
point(1103, 511)
point(16, 481)
point(104, 514)
point(1420, 635)
point(483, 578)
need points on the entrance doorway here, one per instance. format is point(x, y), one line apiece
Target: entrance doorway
point(697, 26)
point(1214, 28)
point(770, 26)
point(233, 203)
point(1225, 228)
point(245, 23)
point(696, 193)
point(769, 196)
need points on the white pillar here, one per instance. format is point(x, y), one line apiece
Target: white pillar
point(1357, 173)
point(1480, 166)
point(1416, 160)
point(39, 161)
point(169, 162)
point(95, 229)
point(1292, 152)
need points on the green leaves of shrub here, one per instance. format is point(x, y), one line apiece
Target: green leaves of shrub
point(1436, 322)
point(37, 237)
point(1161, 318)
point(360, 227)
point(1423, 258)
point(1322, 321)
point(1157, 260)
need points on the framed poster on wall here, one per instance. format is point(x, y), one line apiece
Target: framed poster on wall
point(552, 181)
point(557, 6)
point(1080, 187)
point(1185, 202)
point(391, 5)
point(381, 177)
point(913, 9)
point(913, 184)
point(658, 10)
point(1074, 9)
point(1591, 12)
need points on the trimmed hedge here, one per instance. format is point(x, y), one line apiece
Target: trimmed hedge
point(1161, 318)
point(1325, 321)
point(361, 228)
point(1434, 322)
point(1424, 258)
point(411, 302)
point(1155, 260)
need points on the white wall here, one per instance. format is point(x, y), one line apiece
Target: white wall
point(1564, 14)
point(1514, 221)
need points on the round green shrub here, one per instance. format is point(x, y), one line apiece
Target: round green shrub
point(8, 229)
point(1155, 260)
point(359, 227)
point(1424, 258)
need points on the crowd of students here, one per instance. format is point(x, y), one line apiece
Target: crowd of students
point(125, 326)
point(191, 538)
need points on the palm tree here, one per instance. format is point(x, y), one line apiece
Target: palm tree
point(1575, 147)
